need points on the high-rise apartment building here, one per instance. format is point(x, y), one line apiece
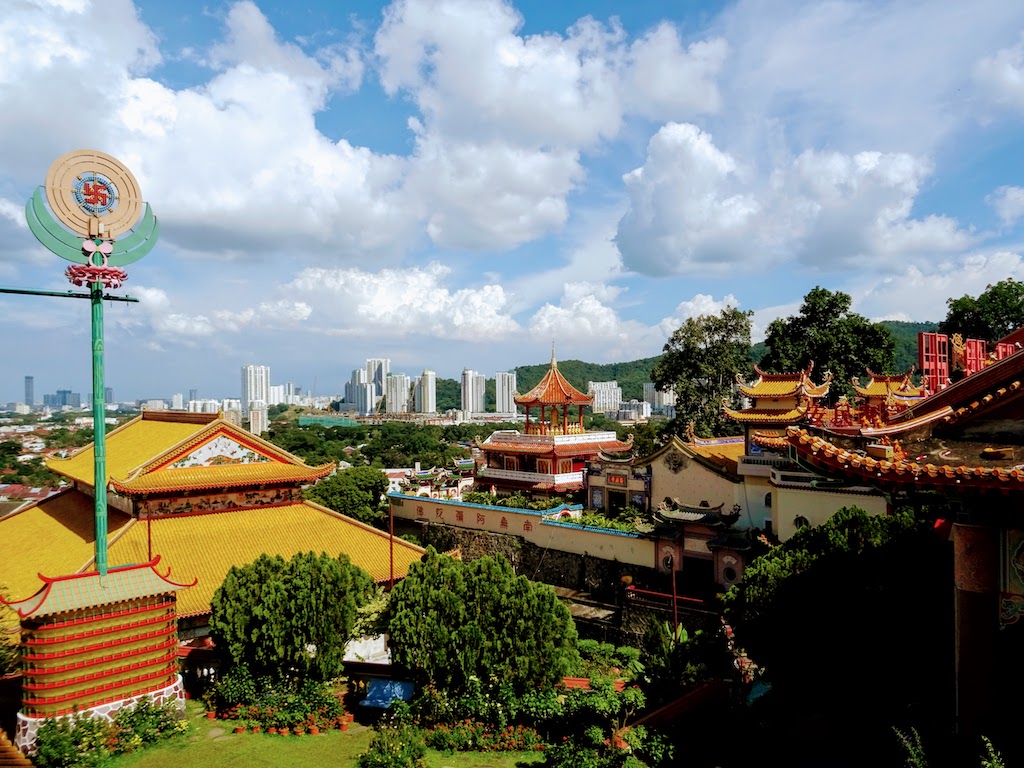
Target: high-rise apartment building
point(607, 395)
point(177, 401)
point(505, 391)
point(426, 392)
point(255, 386)
point(360, 392)
point(474, 387)
point(193, 394)
point(377, 370)
point(30, 391)
point(396, 393)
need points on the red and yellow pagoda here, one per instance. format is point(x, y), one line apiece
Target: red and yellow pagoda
point(550, 456)
point(97, 642)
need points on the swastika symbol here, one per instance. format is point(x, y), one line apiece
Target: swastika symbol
point(95, 194)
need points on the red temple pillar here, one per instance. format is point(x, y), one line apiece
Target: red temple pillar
point(976, 579)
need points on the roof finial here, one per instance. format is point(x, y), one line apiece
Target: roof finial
point(554, 363)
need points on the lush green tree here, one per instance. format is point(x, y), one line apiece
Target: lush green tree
point(859, 599)
point(449, 621)
point(995, 312)
point(289, 618)
point(358, 492)
point(828, 334)
point(700, 363)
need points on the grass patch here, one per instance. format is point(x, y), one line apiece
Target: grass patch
point(211, 744)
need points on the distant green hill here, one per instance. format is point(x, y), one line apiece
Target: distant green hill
point(630, 376)
point(906, 342)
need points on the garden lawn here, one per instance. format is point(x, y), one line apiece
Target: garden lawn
point(212, 744)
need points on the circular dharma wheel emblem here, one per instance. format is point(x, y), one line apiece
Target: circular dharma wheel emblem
point(93, 194)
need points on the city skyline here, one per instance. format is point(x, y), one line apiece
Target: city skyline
point(448, 183)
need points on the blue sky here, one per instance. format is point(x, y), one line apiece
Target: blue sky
point(457, 183)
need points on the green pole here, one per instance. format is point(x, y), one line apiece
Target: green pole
point(99, 426)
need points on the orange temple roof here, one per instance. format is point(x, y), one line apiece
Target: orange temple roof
point(765, 415)
point(554, 389)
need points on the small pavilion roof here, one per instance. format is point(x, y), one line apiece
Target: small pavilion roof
point(554, 389)
point(79, 591)
point(898, 386)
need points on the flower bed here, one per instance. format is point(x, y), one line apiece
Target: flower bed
point(473, 735)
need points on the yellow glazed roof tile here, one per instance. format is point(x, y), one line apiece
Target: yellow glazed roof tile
point(205, 546)
point(202, 478)
point(55, 538)
point(127, 448)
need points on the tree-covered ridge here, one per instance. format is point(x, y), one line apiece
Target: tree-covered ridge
point(905, 335)
point(631, 375)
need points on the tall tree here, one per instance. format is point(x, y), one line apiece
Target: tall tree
point(700, 363)
point(828, 334)
point(996, 311)
point(449, 621)
point(357, 492)
point(287, 618)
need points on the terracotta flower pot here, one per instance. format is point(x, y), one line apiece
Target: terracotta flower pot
point(211, 715)
point(299, 731)
point(344, 726)
point(283, 731)
point(314, 730)
point(239, 729)
point(256, 729)
point(272, 729)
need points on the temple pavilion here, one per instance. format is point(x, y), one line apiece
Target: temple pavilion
point(549, 457)
point(196, 491)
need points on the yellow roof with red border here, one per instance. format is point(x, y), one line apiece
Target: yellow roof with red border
point(166, 451)
point(898, 385)
point(780, 385)
point(200, 547)
point(765, 415)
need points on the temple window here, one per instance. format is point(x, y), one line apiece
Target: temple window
point(768, 500)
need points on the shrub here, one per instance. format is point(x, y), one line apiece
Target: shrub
point(399, 746)
point(473, 735)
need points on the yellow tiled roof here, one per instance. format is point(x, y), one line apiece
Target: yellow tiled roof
point(765, 415)
point(201, 478)
point(725, 455)
point(127, 447)
point(761, 388)
point(205, 546)
point(55, 537)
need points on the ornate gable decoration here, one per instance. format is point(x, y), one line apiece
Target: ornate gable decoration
point(219, 451)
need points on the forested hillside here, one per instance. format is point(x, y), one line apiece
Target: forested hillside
point(633, 375)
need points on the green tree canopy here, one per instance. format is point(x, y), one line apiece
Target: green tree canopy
point(852, 617)
point(700, 363)
point(289, 618)
point(828, 334)
point(996, 311)
point(357, 492)
point(449, 621)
